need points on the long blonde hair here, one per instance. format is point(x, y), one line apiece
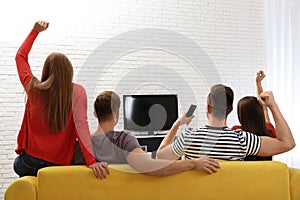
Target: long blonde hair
point(56, 89)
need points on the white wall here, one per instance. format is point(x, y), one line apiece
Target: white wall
point(187, 46)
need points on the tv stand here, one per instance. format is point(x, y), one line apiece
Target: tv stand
point(151, 132)
point(150, 142)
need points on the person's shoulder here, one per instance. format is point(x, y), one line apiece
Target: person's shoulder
point(236, 127)
point(77, 87)
point(97, 137)
point(189, 130)
point(271, 129)
point(245, 134)
point(124, 138)
point(238, 131)
point(270, 125)
point(194, 130)
point(120, 134)
point(125, 133)
point(78, 91)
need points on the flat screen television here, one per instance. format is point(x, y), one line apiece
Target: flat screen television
point(150, 113)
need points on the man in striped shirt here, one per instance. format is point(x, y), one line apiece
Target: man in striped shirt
point(218, 141)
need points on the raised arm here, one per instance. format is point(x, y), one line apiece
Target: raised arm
point(143, 163)
point(284, 141)
point(260, 75)
point(173, 131)
point(23, 67)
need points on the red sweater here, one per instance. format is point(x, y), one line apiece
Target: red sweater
point(35, 138)
point(269, 125)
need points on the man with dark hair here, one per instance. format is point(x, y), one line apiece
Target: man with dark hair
point(121, 147)
point(220, 100)
point(218, 141)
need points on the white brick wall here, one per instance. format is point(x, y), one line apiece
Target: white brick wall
point(231, 32)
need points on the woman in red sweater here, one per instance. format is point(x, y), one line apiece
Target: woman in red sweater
point(254, 117)
point(55, 114)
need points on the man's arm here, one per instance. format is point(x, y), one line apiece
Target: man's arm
point(166, 153)
point(143, 163)
point(284, 141)
point(173, 131)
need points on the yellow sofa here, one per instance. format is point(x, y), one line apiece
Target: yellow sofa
point(235, 180)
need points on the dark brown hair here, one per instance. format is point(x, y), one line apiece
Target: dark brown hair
point(252, 119)
point(106, 103)
point(57, 89)
point(251, 116)
point(220, 99)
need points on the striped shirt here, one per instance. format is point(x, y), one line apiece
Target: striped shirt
point(219, 143)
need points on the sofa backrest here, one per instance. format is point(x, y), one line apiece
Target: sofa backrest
point(235, 180)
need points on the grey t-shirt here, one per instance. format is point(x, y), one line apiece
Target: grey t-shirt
point(111, 147)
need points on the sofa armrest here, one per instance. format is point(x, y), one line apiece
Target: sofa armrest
point(295, 183)
point(24, 188)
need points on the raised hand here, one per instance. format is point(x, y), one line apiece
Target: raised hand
point(100, 169)
point(206, 164)
point(260, 75)
point(185, 120)
point(266, 98)
point(40, 26)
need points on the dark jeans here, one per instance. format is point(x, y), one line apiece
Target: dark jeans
point(26, 165)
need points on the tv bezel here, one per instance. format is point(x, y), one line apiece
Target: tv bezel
point(147, 95)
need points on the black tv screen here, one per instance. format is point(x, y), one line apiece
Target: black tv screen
point(150, 113)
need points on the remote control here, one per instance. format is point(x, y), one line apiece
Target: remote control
point(191, 110)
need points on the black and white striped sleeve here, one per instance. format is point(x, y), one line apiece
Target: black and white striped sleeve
point(178, 145)
point(253, 143)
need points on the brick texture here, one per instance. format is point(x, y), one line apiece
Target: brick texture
point(230, 33)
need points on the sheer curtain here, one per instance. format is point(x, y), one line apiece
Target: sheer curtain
point(283, 66)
